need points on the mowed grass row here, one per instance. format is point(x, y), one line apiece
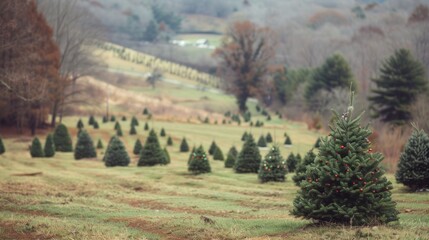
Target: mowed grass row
point(85, 200)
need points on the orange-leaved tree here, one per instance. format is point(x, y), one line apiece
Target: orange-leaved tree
point(244, 55)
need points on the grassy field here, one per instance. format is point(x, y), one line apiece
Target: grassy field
point(68, 199)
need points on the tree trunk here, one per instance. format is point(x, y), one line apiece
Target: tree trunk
point(54, 114)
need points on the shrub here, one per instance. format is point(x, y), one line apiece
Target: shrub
point(124, 118)
point(95, 125)
point(146, 127)
point(199, 163)
point(137, 147)
point(49, 146)
point(184, 146)
point(272, 167)
point(105, 119)
point(413, 167)
point(36, 150)
point(62, 139)
point(84, 147)
point(113, 118)
point(249, 159)
point(116, 154)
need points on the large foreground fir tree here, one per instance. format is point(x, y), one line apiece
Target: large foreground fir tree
point(345, 184)
point(413, 167)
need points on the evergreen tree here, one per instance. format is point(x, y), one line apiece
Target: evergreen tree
point(334, 73)
point(49, 146)
point(84, 147)
point(169, 141)
point(261, 142)
point(117, 125)
point(345, 184)
point(269, 138)
point(112, 118)
point(137, 147)
point(298, 158)
point(212, 148)
point(133, 130)
point(218, 154)
point(124, 118)
point(79, 124)
point(167, 159)
point(199, 163)
point(291, 163)
point(151, 32)
point(95, 125)
point(116, 154)
point(288, 141)
point(100, 144)
point(191, 155)
point(151, 153)
point(249, 159)
point(105, 119)
point(36, 150)
point(302, 167)
point(91, 120)
point(146, 127)
point(272, 167)
point(230, 161)
point(413, 167)
point(402, 79)
point(184, 146)
point(231, 157)
point(119, 131)
point(2, 148)
point(62, 139)
point(108, 145)
point(162, 133)
point(134, 121)
point(317, 144)
point(244, 137)
point(145, 111)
